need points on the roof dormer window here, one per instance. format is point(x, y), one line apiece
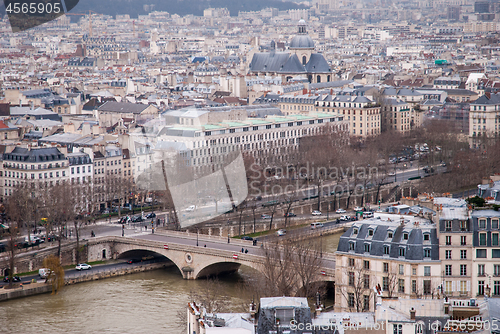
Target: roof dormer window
point(427, 236)
point(370, 232)
point(355, 230)
point(405, 236)
point(390, 234)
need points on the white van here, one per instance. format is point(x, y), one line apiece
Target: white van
point(44, 272)
point(316, 225)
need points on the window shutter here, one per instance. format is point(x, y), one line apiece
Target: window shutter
point(453, 286)
point(468, 286)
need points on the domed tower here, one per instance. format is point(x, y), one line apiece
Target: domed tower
point(302, 44)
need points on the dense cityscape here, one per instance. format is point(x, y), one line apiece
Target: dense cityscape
point(332, 167)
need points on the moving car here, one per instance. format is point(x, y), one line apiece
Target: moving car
point(14, 279)
point(367, 214)
point(133, 261)
point(83, 266)
point(264, 216)
point(340, 211)
point(246, 237)
point(345, 218)
point(151, 215)
point(290, 214)
point(190, 208)
point(358, 208)
point(391, 174)
point(280, 232)
point(43, 272)
point(316, 213)
point(316, 225)
point(137, 219)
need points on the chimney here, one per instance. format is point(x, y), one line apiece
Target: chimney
point(412, 314)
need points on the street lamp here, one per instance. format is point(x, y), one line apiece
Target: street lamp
point(197, 232)
point(228, 231)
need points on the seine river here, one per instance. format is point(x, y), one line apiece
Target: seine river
point(139, 303)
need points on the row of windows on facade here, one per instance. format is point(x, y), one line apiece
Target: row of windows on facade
point(14, 183)
point(387, 250)
point(464, 286)
point(479, 108)
point(33, 176)
point(483, 238)
point(269, 126)
point(112, 162)
point(390, 234)
point(24, 166)
point(264, 136)
point(448, 270)
point(484, 121)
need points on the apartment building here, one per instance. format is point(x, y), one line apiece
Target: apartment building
point(486, 253)
point(48, 165)
point(484, 116)
point(396, 255)
point(360, 112)
point(400, 116)
point(456, 251)
point(269, 140)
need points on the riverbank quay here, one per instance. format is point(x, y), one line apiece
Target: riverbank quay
point(28, 288)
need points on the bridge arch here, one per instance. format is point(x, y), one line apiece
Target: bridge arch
point(217, 266)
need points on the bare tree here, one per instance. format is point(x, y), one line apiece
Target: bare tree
point(290, 268)
point(392, 281)
point(358, 286)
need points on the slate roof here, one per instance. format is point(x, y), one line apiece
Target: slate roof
point(268, 61)
point(123, 107)
point(284, 62)
point(493, 99)
point(34, 155)
point(292, 65)
point(414, 245)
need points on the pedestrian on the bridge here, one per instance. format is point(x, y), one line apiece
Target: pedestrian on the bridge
point(246, 251)
point(242, 250)
point(146, 227)
point(205, 246)
point(21, 285)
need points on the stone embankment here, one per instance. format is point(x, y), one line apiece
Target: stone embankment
point(30, 289)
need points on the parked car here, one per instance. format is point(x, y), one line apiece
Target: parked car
point(151, 215)
point(340, 211)
point(358, 208)
point(14, 279)
point(316, 213)
point(83, 266)
point(264, 216)
point(290, 214)
point(280, 232)
point(246, 237)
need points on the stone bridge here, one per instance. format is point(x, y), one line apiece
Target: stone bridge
point(192, 261)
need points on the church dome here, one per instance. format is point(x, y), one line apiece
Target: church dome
point(302, 40)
